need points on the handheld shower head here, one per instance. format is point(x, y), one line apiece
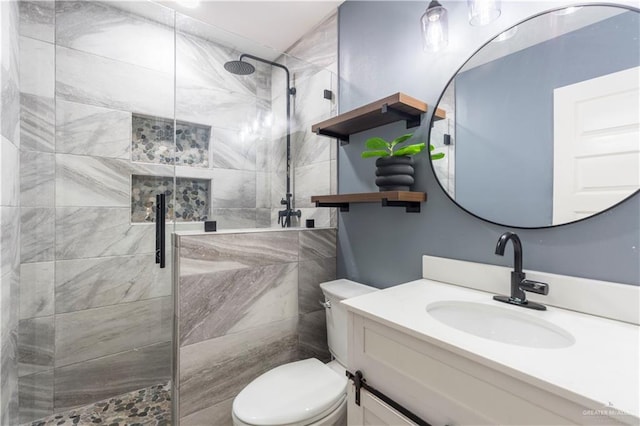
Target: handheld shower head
point(239, 67)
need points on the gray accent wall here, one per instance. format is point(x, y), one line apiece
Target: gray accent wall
point(383, 246)
point(525, 81)
point(246, 302)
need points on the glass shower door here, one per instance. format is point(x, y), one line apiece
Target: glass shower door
point(95, 333)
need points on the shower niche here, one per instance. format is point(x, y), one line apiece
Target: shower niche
point(152, 142)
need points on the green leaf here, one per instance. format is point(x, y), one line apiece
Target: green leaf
point(400, 139)
point(377, 143)
point(369, 154)
point(410, 149)
point(437, 156)
point(431, 147)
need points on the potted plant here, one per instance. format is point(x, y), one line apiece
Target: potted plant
point(395, 164)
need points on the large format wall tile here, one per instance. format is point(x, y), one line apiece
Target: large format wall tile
point(37, 20)
point(94, 80)
point(89, 283)
point(309, 148)
point(38, 234)
point(232, 152)
point(37, 184)
point(214, 106)
point(101, 378)
point(101, 29)
point(36, 396)
point(37, 123)
point(35, 345)
point(10, 180)
point(37, 59)
point(317, 243)
point(234, 218)
point(313, 179)
point(9, 73)
point(36, 289)
point(312, 273)
point(200, 62)
point(244, 298)
point(92, 181)
point(97, 332)
point(219, 414)
point(234, 189)
point(214, 253)
point(83, 232)
point(9, 244)
point(312, 336)
point(89, 130)
point(215, 370)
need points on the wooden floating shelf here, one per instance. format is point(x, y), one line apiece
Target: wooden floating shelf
point(393, 108)
point(407, 199)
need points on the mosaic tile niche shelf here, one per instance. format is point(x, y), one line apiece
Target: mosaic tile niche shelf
point(152, 141)
point(192, 198)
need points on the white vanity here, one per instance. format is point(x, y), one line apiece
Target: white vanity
point(448, 352)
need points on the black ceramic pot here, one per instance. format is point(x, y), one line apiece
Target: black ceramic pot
point(394, 173)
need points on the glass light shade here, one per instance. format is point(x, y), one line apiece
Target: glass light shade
point(483, 12)
point(435, 28)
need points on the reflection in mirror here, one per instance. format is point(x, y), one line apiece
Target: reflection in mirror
point(544, 121)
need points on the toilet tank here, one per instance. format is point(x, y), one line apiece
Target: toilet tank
point(334, 292)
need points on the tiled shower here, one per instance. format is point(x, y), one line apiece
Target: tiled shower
point(103, 106)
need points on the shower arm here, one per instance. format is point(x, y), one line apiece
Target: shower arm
point(290, 92)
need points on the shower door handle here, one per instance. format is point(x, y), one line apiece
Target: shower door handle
point(160, 229)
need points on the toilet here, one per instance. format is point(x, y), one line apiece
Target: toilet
point(307, 392)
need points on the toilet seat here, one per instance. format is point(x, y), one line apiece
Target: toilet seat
point(298, 393)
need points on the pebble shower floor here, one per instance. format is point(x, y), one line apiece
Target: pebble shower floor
point(149, 406)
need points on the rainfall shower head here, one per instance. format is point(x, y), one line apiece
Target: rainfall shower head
point(239, 67)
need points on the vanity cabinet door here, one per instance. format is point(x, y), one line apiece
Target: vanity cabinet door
point(372, 411)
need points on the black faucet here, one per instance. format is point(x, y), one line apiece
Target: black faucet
point(519, 284)
point(284, 216)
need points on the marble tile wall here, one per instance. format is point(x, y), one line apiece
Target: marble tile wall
point(247, 302)
point(9, 210)
point(95, 311)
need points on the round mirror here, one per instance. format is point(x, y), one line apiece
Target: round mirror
point(542, 123)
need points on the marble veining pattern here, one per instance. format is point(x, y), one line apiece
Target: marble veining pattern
point(215, 370)
point(95, 80)
point(107, 31)
point(231, 151)
point(37, 67)
point(313, 179)
point(36, 289)
point(10, 182)
point(37, 123)
point(90, 130)
point(37, 20)
point(83, 232)
point(231, 251)
point(318, 244)
point(312, 336)
point(91, 283)
point(312, 273)
point(37, 235)
point(247, 298)
point(148, 406)
point(36, 396)
point(35, 345)
point(37, 179)
point(233, 188)
point(93, 333)
point(218, 414)
point(83, 383)
point(235, 218)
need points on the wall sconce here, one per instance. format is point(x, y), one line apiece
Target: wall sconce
point(483, 12)
point(435, 28)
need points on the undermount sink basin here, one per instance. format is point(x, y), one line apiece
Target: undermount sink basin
point(500, 324)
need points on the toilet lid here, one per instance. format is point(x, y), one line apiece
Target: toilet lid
point(290, 393)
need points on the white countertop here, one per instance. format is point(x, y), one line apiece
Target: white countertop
point(600, 371)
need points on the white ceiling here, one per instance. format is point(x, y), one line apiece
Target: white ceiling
point(274, 24)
